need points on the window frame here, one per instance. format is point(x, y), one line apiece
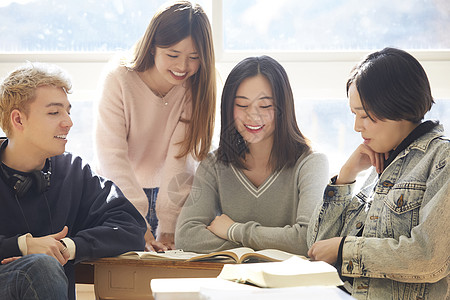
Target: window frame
point(314, 75)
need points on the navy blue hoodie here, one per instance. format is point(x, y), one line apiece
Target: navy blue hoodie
point(101, 221)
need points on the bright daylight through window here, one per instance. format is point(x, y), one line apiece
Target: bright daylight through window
point(243, 28)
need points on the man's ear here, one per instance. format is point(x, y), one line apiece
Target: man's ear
point(16, 119)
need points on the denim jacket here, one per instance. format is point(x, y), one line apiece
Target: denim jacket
point(403, 249)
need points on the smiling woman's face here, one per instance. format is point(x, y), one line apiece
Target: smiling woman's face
point(254, 111)
point(175, 64)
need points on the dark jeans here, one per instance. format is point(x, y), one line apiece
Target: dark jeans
point(151, 217)
point(34, 276)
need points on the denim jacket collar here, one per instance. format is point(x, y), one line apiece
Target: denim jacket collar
point(422, 143)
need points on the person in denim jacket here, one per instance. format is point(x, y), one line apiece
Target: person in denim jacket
point(389, 241)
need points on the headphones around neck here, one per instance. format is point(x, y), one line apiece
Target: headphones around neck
point(21, 183)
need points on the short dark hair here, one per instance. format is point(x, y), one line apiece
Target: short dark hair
point(392, 85)
point(288, 142)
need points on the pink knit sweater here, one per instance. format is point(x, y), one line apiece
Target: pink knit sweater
point(137, 140)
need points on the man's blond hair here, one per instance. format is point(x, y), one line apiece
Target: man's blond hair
point(18, 89)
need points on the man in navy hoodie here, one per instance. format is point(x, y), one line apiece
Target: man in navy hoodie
point(54, 211)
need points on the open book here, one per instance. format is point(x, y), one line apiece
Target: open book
point(236, 255)
point(289, 273)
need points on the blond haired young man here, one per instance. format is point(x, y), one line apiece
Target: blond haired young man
point(55, 212)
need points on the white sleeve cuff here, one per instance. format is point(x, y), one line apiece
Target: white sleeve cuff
point(22, 242)
point(230, 233)
point(70, 246)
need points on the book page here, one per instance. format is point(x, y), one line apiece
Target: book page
point(244, 273)
point(226, 255)
point(289, 273)
point(168, 255)
point(300, 272)
point(297, 266)
point(271, 255)
point(241, 251)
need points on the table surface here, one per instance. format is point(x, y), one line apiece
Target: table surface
point(176, 264)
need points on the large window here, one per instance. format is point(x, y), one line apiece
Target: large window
point(317, 41)
point(292, 25)
point(74, 25)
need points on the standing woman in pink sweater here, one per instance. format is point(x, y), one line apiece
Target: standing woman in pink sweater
point(156, 115)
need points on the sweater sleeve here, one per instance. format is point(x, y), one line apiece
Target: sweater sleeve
point(201, 207)
point(176, 179)
point(312, 174)
point(111, 143)
point(9, 247)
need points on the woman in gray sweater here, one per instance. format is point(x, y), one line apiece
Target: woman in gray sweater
point(260, 187)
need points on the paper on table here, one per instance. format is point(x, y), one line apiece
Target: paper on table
point(294, 293)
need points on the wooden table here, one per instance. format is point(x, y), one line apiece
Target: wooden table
point(121, 278)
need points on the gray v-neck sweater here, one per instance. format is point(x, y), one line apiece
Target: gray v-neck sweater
point(273, 216)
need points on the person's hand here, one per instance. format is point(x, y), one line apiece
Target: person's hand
point(361, 159)
point(168, 239)
point(326, 250)
point(50, 245)
point(10, 259)
point(220, 225)
point(151, 244)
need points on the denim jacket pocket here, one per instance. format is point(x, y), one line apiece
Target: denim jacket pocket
point(403, 203)
point(402, 290)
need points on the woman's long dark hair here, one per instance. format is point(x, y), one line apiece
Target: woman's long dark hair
point(288, 141)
